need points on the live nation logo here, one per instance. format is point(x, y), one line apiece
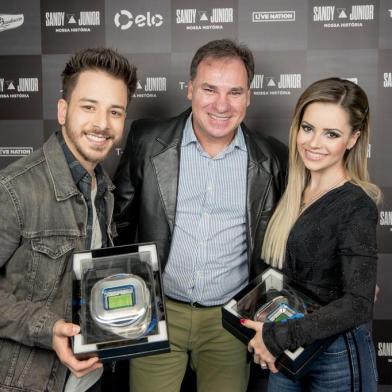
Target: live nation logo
point(204, 19)
point(15, 151)
point(273, 16)
point(150, 87)
point(281, 84)
point(343, 17)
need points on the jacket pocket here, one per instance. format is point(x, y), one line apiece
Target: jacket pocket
point(25, 368)
point(16, 361)
point(50, 256)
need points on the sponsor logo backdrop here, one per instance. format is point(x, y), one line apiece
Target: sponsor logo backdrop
point(294, 43)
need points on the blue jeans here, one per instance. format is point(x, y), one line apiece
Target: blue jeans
point(348, 364)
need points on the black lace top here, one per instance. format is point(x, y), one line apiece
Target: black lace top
point(332, 253)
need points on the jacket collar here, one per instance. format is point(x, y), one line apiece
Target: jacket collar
point(173, 137)
point(60, 174)
point(255, 154)
point(166, 166)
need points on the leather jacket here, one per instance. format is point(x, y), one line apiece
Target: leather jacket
point(147, 180)
point(44, 219)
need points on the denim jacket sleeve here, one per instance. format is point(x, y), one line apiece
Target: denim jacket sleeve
point(21, 320)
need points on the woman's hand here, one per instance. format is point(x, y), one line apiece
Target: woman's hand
point(261, 355)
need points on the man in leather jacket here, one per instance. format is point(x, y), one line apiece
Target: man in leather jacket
point(202, 186)
point(53, 202)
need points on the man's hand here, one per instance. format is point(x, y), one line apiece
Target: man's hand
point(261, 355)
point(62, 331)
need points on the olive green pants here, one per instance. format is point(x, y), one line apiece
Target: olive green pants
point(217, 357)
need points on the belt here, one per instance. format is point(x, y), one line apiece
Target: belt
point(192, 304)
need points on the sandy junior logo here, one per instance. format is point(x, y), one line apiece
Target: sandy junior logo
point(275, 85)
point(386, 218)
point(204, 19)
point(344, 17)
point(150, 86)
point(15, 151)
point(352, 79)
point(273, 16)
point(78, 22)
point(18, 88)
point(124, 20)
point(384, 349)
point(8, 22)
point(387, 82)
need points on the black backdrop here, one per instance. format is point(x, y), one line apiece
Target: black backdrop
point(294, 42)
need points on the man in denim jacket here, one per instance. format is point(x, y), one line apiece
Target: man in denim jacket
point(53, 202)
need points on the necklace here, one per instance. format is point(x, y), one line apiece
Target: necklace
point(318, 195)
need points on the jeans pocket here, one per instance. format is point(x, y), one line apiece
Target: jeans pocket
point(337, 348)
point(372, 352)
point(365, 358)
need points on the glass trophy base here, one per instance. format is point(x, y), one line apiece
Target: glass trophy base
point(118, 303)
point(270, 297)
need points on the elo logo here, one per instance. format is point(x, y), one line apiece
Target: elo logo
point(127, 20)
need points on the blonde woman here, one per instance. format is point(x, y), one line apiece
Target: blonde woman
point(323, 235)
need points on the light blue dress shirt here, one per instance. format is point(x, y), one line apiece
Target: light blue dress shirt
point(208, 256)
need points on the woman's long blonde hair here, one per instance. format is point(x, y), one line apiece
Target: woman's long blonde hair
point(353, 100)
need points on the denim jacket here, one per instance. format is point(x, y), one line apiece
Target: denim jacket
point(43, 220)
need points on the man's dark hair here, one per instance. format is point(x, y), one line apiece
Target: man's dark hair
point(224, 48)
point(99, 59)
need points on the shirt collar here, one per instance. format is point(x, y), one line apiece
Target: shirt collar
point(190, 137)
point(78, 172)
